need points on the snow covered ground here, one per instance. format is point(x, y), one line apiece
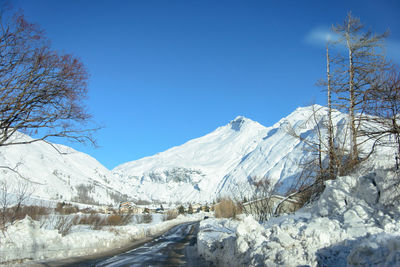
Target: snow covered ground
point(26, 240)
point(352, 224)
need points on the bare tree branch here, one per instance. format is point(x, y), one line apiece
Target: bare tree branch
point(41, 91)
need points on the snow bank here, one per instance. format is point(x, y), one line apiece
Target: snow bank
point(27, 240)
point(216, 240)
point(379, 250)
point(349, 225)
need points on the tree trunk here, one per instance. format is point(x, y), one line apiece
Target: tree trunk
point(353, 132)
point(331, 167)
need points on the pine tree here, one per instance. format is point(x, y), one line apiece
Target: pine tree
point(190, 209)
point(181, 209)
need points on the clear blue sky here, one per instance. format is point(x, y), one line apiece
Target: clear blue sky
point(164, 72)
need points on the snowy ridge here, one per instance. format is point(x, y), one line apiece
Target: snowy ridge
point(279, 155)
point(192, 171)
point(56, 172)
point(220, 163)
point(226, 160)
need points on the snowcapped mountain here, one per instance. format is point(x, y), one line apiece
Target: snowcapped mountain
point(192, 171)
point(51, 175)
point(279, 155)
point(224, 161)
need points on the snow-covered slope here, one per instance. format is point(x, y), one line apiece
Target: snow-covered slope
point(355, 222)
point(193, 171)
point(49, 174)
point(220, 163)
point(279, 155)
point(224, 161)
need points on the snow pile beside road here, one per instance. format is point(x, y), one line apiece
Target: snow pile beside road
point(216, 241)
point(378, 250)
point(349, 225)
point(26, 240)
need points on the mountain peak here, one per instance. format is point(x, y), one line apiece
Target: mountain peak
point(310, 108)
point(238, 122)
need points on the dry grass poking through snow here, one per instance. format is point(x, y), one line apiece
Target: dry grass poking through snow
point(143, 218)
point(170, 215)
point(35, 212)
point(227, 208)
point(97, 221)
point(65, 216)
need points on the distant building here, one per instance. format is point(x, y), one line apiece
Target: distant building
point(106, 209)
point(205, 208)
point(196, 207)
point(126, 207)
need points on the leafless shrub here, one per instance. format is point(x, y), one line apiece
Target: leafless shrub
point(63, 225)
point(19, 192)
point(148, 218)
point(76, 219)
point(95, 221)
point(59, 207)
point(304, 194)
point(227, 208)
point(87, 211)
point(143, 218)
point(114, 219)
point(258, 198)
point(119, 219)
point(66, 208)
point(170, 215)
point(126, 219)
point(35, 212)
point(327, 148)
point(114, 230)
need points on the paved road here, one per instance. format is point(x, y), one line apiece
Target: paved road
point(177, 247)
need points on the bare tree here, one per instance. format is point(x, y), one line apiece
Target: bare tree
point(331, 147)
point(258, 198)
point(356, 73)
point(41, 91)
point(4, 203)
point(326, 145)
point(383, 103)
point(12, 197)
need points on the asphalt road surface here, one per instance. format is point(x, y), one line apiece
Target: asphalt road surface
point(176, 247)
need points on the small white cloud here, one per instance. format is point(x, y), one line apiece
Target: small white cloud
point(320, 35)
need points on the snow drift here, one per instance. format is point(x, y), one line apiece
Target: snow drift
point(27, 240)
point(352, 224)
